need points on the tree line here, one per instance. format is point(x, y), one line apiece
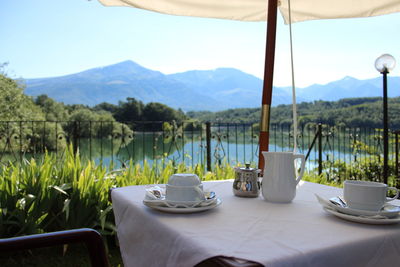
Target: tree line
point(348, 112)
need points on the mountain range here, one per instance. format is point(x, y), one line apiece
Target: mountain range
point(213, 90)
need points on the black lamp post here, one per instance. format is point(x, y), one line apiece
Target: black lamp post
point(384, 64)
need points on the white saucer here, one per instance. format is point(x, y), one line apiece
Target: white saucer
point(162, 202)
point(190, 203)
point(216, 203)
point(390, 211)
point(361, 219)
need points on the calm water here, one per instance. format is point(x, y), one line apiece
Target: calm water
point(234, 147)
point(192, 150)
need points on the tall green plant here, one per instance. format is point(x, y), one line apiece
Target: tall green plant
point(53, 194)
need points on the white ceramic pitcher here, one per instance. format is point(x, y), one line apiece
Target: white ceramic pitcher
point(279, 181)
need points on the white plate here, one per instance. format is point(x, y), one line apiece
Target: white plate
point(390, 211)
point(361, 219)
point(185, 210)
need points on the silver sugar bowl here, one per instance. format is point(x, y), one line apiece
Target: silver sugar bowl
point(246, 183)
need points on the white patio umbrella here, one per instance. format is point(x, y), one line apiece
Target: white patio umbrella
point(256, 10)
point(265, 10)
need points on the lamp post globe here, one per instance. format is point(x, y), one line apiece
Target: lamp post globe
point(384, 64)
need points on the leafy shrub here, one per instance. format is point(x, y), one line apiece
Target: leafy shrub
point(52, 195)
point(56, 194)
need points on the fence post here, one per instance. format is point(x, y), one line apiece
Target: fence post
point(75, 137)
point(208, 145)
point(319, 148)
point(396, 154)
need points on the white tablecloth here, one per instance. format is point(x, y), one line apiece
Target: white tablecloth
point(295, 234)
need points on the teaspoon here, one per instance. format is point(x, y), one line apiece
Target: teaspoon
point(338, 201)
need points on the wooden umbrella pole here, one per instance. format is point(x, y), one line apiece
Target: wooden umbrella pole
point(268, 80)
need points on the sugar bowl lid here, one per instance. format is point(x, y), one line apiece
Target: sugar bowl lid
point(246, 169)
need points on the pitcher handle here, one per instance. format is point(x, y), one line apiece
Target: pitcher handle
point(302, 168)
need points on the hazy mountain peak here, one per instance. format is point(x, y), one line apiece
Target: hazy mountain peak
point(348, 78)
point(228, 70)
point(350, 82)
point(346, 82)
point(127, 67)
point(124, 64)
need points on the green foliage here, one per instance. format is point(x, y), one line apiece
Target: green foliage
point(87, 123)
point(53, 110)
point(16, 108)
point(45, 196)
point(239, 115)
point(14, 105)
point(55, 194)
point(366, 166)
point(161, 112)
point(131, 110)
point(320, 179)
point(106, 107)
point(82, 121)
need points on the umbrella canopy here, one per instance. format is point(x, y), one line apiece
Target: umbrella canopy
point(266, 10)
point(256, 10)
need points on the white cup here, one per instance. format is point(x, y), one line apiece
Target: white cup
point(184, 188)
point(365, 195)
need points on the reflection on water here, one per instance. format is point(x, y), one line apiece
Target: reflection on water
point(191, 149)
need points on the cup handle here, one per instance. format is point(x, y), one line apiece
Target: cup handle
point(200, 192)
point(395, 197)
point(303, 165)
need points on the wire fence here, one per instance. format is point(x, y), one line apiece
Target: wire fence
point(339, 152)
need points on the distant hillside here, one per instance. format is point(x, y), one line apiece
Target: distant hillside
point(349, 87)
point(234, 87)
point(115, 83)
point(194, 90)
point(350, 112)
point(213, 90)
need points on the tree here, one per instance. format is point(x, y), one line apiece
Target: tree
point(87, 123)
point(129, 111)
point(14, 105)
point(160, 112)
point(54, 111)
point(106, 107)
point(23, 128)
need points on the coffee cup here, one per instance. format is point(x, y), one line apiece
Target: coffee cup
point(184, 188)
point(364, 195)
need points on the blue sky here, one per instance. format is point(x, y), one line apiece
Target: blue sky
point(46, 38)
